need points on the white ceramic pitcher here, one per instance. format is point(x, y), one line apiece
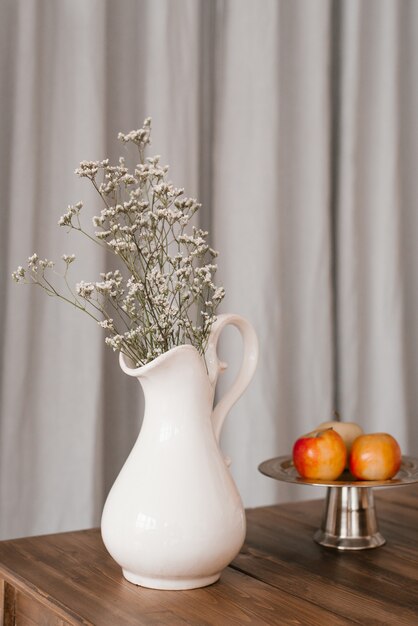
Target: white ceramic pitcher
point(174, 518)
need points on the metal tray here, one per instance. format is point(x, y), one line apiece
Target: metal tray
point(349, 520)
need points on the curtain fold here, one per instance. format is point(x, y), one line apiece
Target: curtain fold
point(376, 197)
point(271, 214)
point(295, 125)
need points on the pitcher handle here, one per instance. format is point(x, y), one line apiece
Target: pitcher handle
point(215, 366)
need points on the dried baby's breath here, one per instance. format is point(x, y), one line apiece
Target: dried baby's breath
point(164, 293)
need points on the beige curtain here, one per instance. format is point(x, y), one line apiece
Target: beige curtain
point(295, 123)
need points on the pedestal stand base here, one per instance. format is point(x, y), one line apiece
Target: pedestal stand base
point(349, 521)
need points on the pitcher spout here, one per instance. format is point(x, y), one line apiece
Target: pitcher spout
point(179, 374)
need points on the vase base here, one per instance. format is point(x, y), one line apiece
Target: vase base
point(173, 584)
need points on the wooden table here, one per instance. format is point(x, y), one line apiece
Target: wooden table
point(280, 577)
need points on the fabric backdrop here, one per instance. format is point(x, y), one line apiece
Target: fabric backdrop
point(295, 124)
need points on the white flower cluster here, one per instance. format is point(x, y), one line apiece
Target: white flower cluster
point(164, 293)
point(68, 258)
point(140, 137)
point(35, 266)
point(67, 218)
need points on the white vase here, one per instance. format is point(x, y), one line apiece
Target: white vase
point(174, 518)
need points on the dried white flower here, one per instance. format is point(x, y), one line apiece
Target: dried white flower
point(68, 258)
point(33, 261)
point(107, 324)
point(45, 263)
point(85, 290)
point(165, 295)
point(19, 274)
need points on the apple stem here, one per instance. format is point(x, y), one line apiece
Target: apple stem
point(323, 430)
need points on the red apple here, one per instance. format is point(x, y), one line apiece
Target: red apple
point(375, 457)
point(320, 455)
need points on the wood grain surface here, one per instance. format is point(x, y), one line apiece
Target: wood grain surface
point(280, 577)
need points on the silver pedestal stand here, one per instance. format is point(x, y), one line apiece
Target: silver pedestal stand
point(349, 520)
